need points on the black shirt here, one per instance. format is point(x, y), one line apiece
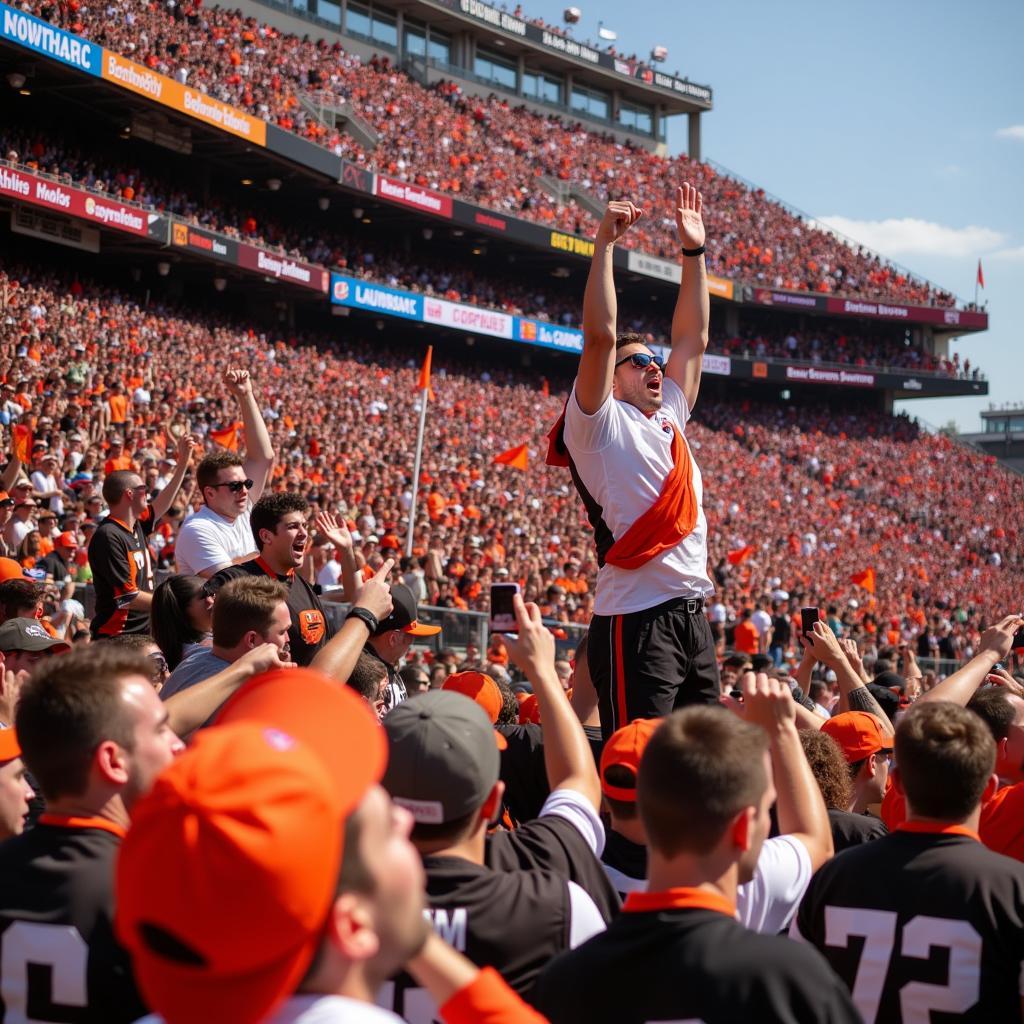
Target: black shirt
point(55, 566)
point(119, 559)
point(849, 829)
point(56, 930)
point(682, 956)
point(781, 631)
point(625, 863)
point(917, 923)
point(513, 921)
point(309, 630)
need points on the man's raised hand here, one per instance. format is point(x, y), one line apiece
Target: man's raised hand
point(689, 204)
point(335, 530)
point(767, 702)
point(375, 594)
point(238, 380)
point(533, 650)
point(619, 217)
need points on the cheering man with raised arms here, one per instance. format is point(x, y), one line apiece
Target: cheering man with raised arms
point(621, 436)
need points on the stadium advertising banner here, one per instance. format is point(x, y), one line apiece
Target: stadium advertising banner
point(204, 243)
point(375, 298)
point(96, 210)
point(169, 93)
point(818, 375)
point(911, 314)
point(358, 294)
point(663, 270)
point(49, 41)
point(272, 264)
point(422, 199)
point(502, 20)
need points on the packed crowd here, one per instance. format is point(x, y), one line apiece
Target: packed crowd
point(486, 150)
point(817, 495)
point(459, 281)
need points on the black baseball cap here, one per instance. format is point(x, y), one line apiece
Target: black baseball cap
point(28, 635)
point(403, 615)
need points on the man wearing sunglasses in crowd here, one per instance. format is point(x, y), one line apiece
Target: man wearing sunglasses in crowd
point(621, 436)
point(219, 534)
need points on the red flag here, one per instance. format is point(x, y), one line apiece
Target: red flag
point(424, 382)
point(865, 579)
point(22, 438)
point(228, 437)
point(545, 388)
point(517, 458)
point(740, 555)
point(981, 276)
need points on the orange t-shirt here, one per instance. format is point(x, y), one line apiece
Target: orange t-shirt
point(121, 462)
point(747, 638)
point(118, 408)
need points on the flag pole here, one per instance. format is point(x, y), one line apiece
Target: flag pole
point(424, 395)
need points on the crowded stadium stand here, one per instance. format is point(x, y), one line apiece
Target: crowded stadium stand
point(334, 259)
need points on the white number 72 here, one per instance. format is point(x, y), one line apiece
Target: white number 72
point(920, 936)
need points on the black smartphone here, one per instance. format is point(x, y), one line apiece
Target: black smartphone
point(503, 613)
point(1018, 640)
point(808, 617)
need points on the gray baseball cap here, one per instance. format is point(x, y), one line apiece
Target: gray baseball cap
point(29, 635)
point(443, 758)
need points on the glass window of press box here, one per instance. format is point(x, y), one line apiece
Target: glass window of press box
point(542, 87)
point(371, 23)
point(419, 41)
point(638, 118)
point(494, 68)
point(590, 101)
point(1004, 423)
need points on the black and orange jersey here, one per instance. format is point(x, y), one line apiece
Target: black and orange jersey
point(119, 559)
point(681, 955)
point(59, 959)
point(310, 629)
point(925, 924)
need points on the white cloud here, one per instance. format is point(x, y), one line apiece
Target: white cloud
point(1014, 131)
point(1013, 255)
point(905, 236)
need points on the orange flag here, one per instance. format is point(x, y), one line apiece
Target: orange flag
point(865, 579)
point(424, 382)
point(228, 437)
point(545, 388)
point(517, 458)
point(740, 555)
point(22, 438)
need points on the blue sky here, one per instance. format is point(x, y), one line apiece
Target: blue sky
point(901, 123)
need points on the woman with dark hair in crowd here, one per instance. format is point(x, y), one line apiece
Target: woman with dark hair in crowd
point(180, 617)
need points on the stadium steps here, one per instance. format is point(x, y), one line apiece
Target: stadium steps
point(342, 117)
point(565, 191)
point(587, 200)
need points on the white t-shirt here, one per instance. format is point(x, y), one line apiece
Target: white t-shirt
point(210, 541)
point(623, 457)
point(762, 621)
point(330, 574)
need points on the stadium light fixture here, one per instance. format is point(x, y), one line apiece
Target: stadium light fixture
point(163, 268)
point(357, 212)
point(220, 283)
point(457, 232)
point(16, 80)
point(274, 184)
point(428, 233)
point(367, 220)
point(324, 203)
point(246, 181)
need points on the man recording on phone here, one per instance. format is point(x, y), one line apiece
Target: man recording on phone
point(622, 438)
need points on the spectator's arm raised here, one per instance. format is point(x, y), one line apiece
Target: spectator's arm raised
point(163, 501)
point(597, 364)
point(567, 756)
point(693, 306)
point(995, 646)
point(259, 452)
point(853, 693)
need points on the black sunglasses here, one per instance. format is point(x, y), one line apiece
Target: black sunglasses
point(236, 485)
point(641, 360)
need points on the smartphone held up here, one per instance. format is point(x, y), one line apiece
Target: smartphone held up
point(503, 612)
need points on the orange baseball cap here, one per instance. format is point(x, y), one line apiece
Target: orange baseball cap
point(10, 748)
point(529, 710)
point(479, 687)
point(243, 835)
point(858, 733)
point(68, 539)
point(625, 747)
point(10, 570)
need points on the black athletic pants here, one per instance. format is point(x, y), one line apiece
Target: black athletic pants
point(649, 663)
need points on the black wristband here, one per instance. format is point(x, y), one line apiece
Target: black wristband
point(694, 252)
point(366, 617)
